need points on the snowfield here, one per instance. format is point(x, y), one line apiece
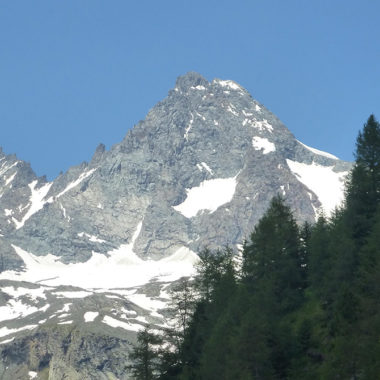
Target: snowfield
point(261, 143)
point(122, 269)
point(326, 184)
point(209, 195)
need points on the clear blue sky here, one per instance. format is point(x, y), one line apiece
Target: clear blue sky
point(77, 73)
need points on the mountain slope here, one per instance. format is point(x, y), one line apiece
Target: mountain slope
point(199, 170)
point(111, 235)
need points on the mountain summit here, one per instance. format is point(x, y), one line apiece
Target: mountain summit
point(199, 171)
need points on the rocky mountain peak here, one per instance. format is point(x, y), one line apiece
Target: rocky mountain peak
point(98, 154)
point(87, 260)
point(199, 171)
point(190, 79)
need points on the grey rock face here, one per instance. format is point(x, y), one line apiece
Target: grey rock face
point(69, 333)
point(16, 182)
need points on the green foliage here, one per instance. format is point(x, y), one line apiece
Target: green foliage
point(368, 149)
point(363, 195)
point(272, 265)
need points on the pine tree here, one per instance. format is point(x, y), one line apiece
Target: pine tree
point(273, 275)
point(320, 257)
point(216, 284)
point(145, 356)
point(363, 190)
point(182, 303)
point(368, 154)
point(350, 343)
point(273, 260)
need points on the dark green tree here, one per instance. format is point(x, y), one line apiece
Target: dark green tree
point(272, 261)
point(368, 154)
point(145, 356)
point(363, 190)
point(320, 257)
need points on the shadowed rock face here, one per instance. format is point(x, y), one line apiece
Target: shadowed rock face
point(199, 171)
point(203, 131)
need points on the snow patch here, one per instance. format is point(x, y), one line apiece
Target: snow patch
point(199, 87)
point(203, 165)
point(75, 183)
point(10, 179)
point(36, 201)
point(231, 108)
point(73, 294)
point(323, 181)
point(44, 308)
point(261, 143)
point(16, 309)
point(319, 152)
point(122, 268)
point(92, 238)
point(209, 195)
point(90, 316)
point(229, 84)
point(124, 325)
point(147, 303)
point(262, 125)
point(7, 341)
point(4, 331)
point(187, 130)
point(201, 116)
point(4, 167)
point(32, 293)
point(65, 309)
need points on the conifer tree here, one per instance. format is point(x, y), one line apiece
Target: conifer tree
point(363, 190)
point(145, 356)
point(273, 260)
point(320, 257)
point(368, 154)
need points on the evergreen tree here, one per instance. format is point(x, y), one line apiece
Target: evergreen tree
point(182, 303)
point(304, 237)
point(320, 258)
point(273, 260)
point(368, 155)
point(145, 356)
point(216, 283)
point(363, 190)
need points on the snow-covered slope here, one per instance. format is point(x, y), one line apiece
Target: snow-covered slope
point(326, 183)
